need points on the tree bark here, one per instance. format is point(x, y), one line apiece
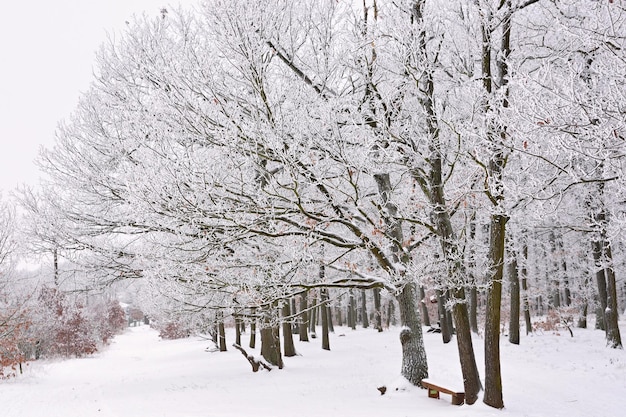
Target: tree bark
point(364, 319)
point(270, 342)
point(613, 337)
point(237, 330)
point(526, 305)
point(252, 342)
point(444, 324)
point(289, 347)
point(596, 246)
point(424, 307)
point(352, 311)
point(493, 377)
point(414, 364)
point(515, 301)
point(222, 335)
point(325, 327)
point(378, 317)
point(304, 318)
point(313, 316)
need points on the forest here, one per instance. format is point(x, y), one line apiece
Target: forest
point(454, 166)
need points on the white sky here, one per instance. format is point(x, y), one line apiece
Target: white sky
point(47, 52)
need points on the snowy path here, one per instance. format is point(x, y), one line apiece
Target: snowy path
point(142, 376)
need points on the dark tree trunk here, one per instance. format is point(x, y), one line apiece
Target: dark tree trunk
point(515, 300)
point(237, 330)
point(473, 294)
point(325, 319)
point(424, 307)
point(329, 312)
point(473, 312)
point(222, 335)
point(596, 246)
point(295, 326)
point(313, 317)
point(444, 324)
point(611, 316)
point(555, 296)
point(270, 342)
point(567, 294)
point(252, 343)
point(526, 305)
point(378, 317)
point(493, 376)
point(471, 379)
point(289, 347)
point(364, 319)
point(352, 311)
point(304, 318)
point(270, 346)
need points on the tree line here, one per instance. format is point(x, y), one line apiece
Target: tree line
point(240, 156)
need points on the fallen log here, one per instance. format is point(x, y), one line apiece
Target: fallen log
point(256, 363)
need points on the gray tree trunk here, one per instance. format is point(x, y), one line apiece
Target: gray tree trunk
point(270, 342)
point(526, 305)
point(325, 319)
point(289, 347)
point(414, 364)
point(423, 306)
point(515, 300)
point(378, 316)
point(352, 311)
point(364, 319)
point(304, 318)
point(611, 316)
point(222, 335)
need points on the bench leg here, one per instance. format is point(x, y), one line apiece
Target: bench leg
point(433, 393)
point(458, 399)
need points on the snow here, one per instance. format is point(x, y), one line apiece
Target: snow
point(141, 375)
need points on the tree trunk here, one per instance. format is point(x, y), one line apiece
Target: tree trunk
point(414, 364)
point(237, 330)
point(596, 246)
point(253, 330)
point(222, 335)
point(313, 316)
point(364, 319)
point(473, 295)
point(493, 376)
point(611, 316)
point(352, 311)
point(270, 342)
point(473, 312)
point(329, 311)
point(515, 300)
point(324, 309)
point(304, 318)
point(295, 326)
point(289, 347)
point(423, 306)
point(444, 324)
point(378, 317)
point(471, 378)
point(524, 273)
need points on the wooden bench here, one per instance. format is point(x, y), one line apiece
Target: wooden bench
point(458, 398)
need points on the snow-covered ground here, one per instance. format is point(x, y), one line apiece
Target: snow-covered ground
point(140, 375)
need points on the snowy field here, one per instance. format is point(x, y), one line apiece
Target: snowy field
point(140, 375)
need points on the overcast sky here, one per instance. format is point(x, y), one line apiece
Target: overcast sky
point(47, 51)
